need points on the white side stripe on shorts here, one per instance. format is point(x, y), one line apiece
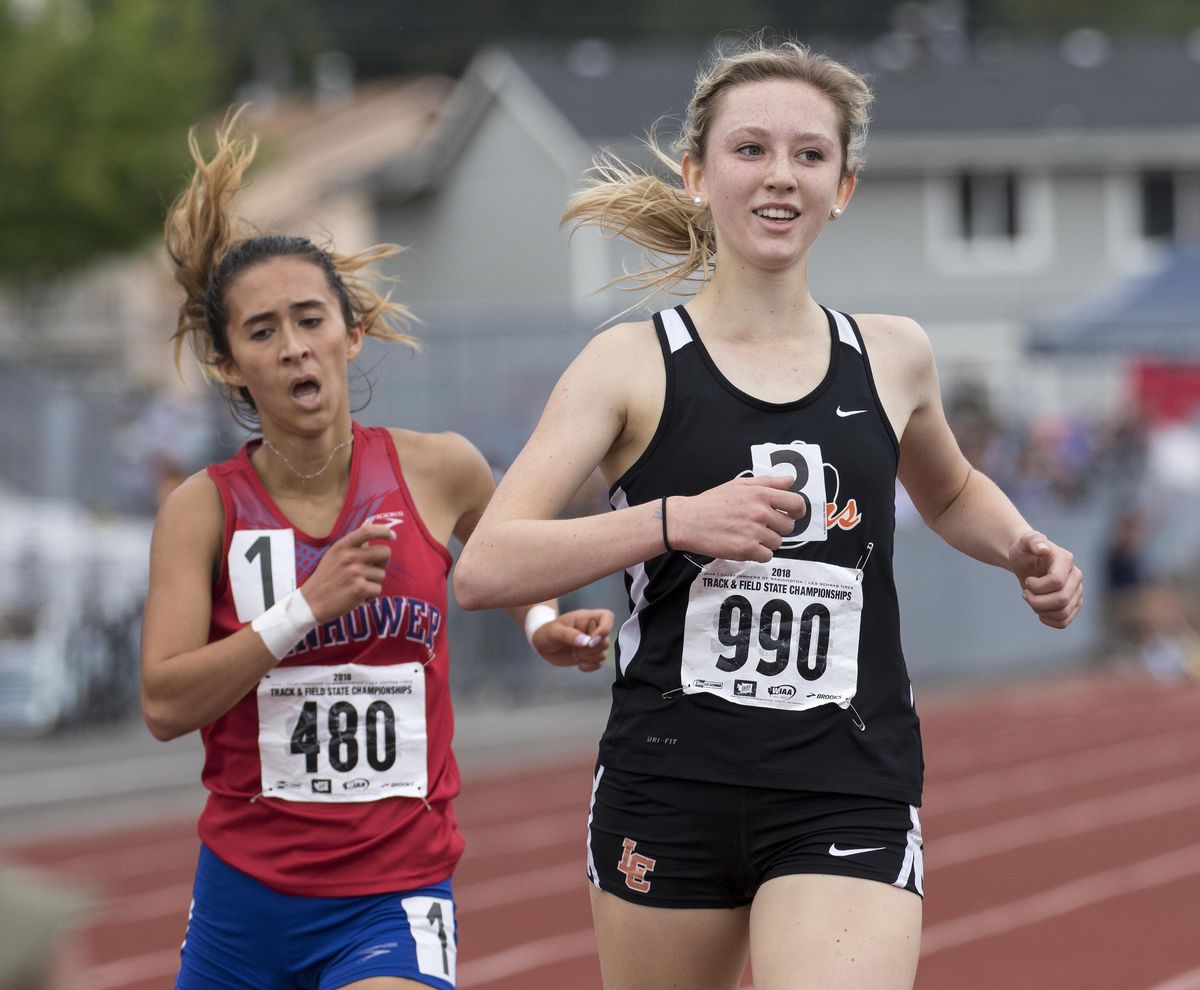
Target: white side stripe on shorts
point(591, 863)
point(914, 857)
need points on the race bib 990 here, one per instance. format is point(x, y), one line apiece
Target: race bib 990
point(783, 634)
point(344, 733)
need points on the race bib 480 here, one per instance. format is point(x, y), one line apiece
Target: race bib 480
point(783, 634)
point(343, 733)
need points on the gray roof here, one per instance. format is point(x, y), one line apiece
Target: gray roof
point(1157, 315)
point(611, 93)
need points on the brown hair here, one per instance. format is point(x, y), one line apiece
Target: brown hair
point(624, 199)
point(207, 255)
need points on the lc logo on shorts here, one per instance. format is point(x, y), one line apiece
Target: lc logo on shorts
point(635, 866)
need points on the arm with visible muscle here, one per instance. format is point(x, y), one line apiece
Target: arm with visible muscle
point(961, 504)
point(187, 682)
point(578, 638)
point(522, 552)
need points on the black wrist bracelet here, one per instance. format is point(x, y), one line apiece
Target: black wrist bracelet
point(666, 542)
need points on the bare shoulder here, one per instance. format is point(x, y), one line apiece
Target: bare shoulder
point(623, 347)
point(635, 334)
point(450, 480)
point(901, 364)
point(446, 464)
point(195, 500)
point(896, 337)
point(450, 454)
point(191, 518)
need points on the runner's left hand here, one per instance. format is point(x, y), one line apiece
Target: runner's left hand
point(576, 639)
point(1051, 583)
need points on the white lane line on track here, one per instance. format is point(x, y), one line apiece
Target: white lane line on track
point(1057, 823)
point(996, 747)
point(129, 775)
point(1063, 899)
point(490, 803)
point(519, 837)
point(167, 854)
point(151, 905)
point(1184, 981)
point(503, 892)
point(526, 957)
point(482, 895)
point(154, 857)
point(1088, 766)
point(950, 850)
point(135, 969)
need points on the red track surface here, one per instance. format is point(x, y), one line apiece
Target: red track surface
point(1062, 827)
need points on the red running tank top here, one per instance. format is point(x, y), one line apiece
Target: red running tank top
point(334, 778)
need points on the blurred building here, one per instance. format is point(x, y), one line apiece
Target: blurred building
point(1006, 185)
point(1008, 188)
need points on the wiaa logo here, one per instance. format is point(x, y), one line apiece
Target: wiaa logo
point(358, 784)
point(782, 691)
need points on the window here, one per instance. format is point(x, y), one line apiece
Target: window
point(989, 221)
point(1158, 206)
point(988, 207)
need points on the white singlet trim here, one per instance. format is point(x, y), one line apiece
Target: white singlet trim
point(630, 636)
point(677, 331)
point(845, 331)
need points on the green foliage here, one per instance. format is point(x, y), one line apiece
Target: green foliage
point(94, 110)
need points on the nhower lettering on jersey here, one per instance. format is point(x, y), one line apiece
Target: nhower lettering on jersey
point(385, 617)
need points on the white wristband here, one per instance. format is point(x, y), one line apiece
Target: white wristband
point(537, 617)
point(285, 623)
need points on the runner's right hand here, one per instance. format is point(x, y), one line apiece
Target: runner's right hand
point(350, 573)
point(743, 519)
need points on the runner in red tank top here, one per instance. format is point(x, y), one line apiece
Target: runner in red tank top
point(296, 618)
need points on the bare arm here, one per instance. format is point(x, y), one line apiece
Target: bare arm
point(521, 551)
point(187, 682)
point(961, 504)
point(579, 638)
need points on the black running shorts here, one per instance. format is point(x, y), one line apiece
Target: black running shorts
point(669, 842)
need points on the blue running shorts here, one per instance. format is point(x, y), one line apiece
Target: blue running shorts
point(241, 934)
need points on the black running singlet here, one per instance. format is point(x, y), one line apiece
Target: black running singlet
point(784, 674)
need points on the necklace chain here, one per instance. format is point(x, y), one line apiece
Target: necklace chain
point(317, 473)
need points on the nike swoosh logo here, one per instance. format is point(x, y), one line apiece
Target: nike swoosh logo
point(834, 850)
point(849, 412)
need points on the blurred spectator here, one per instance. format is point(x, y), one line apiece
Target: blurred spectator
point(1124, 577)
point(39, 917)
point(1170, 649)
point(173, 435)
point(1058, 459)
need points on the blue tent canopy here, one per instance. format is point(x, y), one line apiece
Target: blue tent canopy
point(1156, 315)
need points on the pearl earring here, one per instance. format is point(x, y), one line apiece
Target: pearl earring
point(835, 213)
point(698, 200)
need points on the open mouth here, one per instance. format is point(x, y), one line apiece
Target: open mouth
point(776, 213)
point(306, 391)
